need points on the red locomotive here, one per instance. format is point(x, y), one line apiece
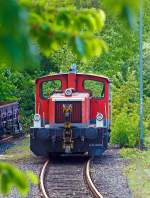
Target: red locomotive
point(72, 114)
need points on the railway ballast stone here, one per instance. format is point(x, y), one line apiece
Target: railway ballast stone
point(107, 174)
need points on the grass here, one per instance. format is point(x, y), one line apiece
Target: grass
point(10, 176)
point(147, 140)
point(19, 151)
point(138, 171)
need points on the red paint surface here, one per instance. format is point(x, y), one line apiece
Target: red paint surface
point(90, 106)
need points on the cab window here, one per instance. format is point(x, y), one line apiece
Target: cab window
point(95, 88)
point(50, 87)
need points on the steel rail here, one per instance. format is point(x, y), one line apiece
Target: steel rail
point(86, 175)
point(42, 176)
point(3, 140)
point(89, 182)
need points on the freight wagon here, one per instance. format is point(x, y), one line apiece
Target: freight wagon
point(9, 119)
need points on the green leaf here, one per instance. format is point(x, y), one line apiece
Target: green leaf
point(11, 176)
point(131, 18)
point(80, 46)
point(32, 177)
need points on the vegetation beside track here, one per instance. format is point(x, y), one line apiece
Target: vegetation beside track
point(20, 179)
point(19, 151)
point(137, 171)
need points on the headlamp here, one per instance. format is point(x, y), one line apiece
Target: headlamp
point(68, 92)
point(37, 117)
point(99, 116)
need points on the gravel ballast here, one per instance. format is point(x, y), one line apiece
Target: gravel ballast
point(106, 173)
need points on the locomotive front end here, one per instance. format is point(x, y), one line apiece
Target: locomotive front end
point(70, 120)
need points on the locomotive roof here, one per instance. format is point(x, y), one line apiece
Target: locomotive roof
point(59, 74)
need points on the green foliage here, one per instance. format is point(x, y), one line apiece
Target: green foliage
point(147, 121)
point(125, 92)
point(126, 9)
point(52, 23)
point(96, 88)
point(7, 89)
point(125, 127)
point(17, 86)
point(146, 63)
point(15, 44)
point(25, 88)
point(49, 87)
point(11, 176)
point(31, 177)
point(131, 153)
point(125, 130)
point(119, 57)
point(52, 26)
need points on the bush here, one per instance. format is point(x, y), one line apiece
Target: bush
point(125, 109)
point(125, 130)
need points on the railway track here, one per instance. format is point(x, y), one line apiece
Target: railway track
point(5, 143)
point(89, 181)
point(67, 180)
point(6, 139)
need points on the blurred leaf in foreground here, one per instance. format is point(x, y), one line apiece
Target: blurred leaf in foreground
point(126, 9)
point(10, 176)
point(16, 47)
point(52, 26)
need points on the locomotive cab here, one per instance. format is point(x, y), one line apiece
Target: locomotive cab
point(72, 114)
